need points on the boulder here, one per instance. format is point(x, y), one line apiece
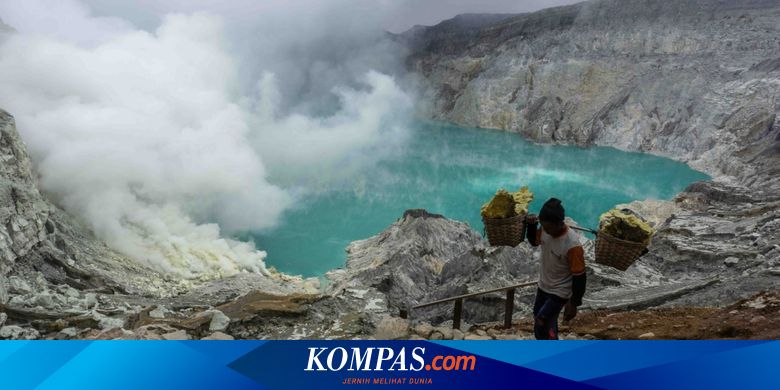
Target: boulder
point(176, 335)
point(14, 332)
point(218, 336)
point(392, 328)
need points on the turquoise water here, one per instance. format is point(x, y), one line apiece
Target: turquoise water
point(452, 171)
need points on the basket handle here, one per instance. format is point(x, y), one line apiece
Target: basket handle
point(584, 230)
point(525, 223)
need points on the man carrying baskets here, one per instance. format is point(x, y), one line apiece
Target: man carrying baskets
point(561, 271)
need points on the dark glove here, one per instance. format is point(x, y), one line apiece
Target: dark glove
point(569, 312)
point(531, 227)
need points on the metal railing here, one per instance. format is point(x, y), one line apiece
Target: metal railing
point(458, 310)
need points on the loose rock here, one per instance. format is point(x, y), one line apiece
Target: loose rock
point(218, 336)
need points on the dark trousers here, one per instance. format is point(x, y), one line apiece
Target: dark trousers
point(547, 307)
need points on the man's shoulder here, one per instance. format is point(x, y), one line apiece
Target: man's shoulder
point(573, 239)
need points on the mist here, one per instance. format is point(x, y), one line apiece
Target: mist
point(168, 134)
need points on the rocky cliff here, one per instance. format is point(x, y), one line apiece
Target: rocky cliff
point(695, 80)
point(55, 275)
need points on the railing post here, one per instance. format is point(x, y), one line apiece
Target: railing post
point(510, 306)
point(456, 315)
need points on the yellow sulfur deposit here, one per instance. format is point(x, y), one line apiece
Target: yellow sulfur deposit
point(501, 206)
point(626, 225)
point(522, 198)
point(507, 204)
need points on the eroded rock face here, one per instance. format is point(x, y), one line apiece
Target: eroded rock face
point(406, 259)
point(58, 281)
point(698, 81)
point(425, 257)
point(38, 239)
point(51, 268)
point(23, 216)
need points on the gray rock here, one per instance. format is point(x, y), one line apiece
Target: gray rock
point(457, 334)
point(517, 336)
point(445, 331)
point(68, 333)
point(218, 336)
point(176, 335)
point(18, 286)
point(14, 332)
point(158, 312)
point(111, 334)
point(219, 321)
point(392, 328)
point(731, 261)
point(423, 329)
point(153, 331)
point(417, 245)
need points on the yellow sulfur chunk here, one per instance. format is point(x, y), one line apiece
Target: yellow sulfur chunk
point(522, 198)
point(626, 225)
point(501, 206)
point(508, 204)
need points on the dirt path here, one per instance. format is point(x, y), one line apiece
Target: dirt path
point(757, 317)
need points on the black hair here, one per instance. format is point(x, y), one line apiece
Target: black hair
point(552, 211)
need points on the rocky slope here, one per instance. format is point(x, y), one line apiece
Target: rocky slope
point(55, 275)
point(695, 80)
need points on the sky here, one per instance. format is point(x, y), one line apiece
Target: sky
point(402, 14)
point(430, 12)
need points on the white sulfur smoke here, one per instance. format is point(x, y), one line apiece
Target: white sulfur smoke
point(314, 151)
point(149, 136)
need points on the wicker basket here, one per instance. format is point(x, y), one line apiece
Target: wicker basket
point(615, 252)
point(505, 231)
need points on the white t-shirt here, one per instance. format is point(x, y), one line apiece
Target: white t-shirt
point(561, 258)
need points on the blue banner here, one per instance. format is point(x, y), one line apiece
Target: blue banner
point(434, 365)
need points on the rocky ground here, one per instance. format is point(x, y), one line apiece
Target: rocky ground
point(757, 317)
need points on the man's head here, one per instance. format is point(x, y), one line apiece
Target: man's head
point(551, 216)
